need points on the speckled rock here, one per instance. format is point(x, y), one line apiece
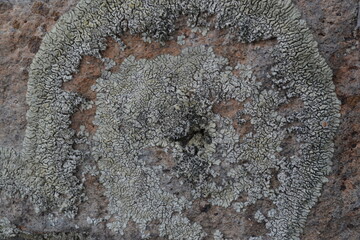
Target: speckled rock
point(335, 216)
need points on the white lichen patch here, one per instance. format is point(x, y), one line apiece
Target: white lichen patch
point(166, 104)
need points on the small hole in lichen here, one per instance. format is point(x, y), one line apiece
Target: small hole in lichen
point(206, 208)
point(187, 138)
point(274, 181)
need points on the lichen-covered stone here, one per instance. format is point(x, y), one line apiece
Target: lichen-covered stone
point(7, 229)
point(167, 104)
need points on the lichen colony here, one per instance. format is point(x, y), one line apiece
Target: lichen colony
point(170, 105)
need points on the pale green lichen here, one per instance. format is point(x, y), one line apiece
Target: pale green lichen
point(170, 110)
point(167, 103)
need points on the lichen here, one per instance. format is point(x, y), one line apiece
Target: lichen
point(10, 231)
point(167, 104)
point(7, 229)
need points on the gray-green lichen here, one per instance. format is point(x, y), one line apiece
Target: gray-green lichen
point(10, 231)
point(7, 229)
point(166, 104)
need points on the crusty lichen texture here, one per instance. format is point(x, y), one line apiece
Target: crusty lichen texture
point(168, 104)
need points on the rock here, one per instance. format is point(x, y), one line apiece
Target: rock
point(336, 214)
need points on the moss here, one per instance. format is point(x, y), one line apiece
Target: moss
point(167, 103)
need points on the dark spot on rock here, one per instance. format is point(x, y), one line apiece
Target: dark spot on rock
point(55, 15)
point(34, 44)
point(351, 226)
point(206, 208)
point(16, 24)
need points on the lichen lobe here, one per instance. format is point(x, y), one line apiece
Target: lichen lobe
point(168, 104)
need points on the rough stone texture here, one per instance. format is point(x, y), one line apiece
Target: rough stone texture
point(23, 25)
point(336, 215)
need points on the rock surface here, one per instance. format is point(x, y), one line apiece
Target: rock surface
point(335, 216)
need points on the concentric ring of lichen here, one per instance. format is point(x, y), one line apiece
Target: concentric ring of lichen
point(166, 103)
